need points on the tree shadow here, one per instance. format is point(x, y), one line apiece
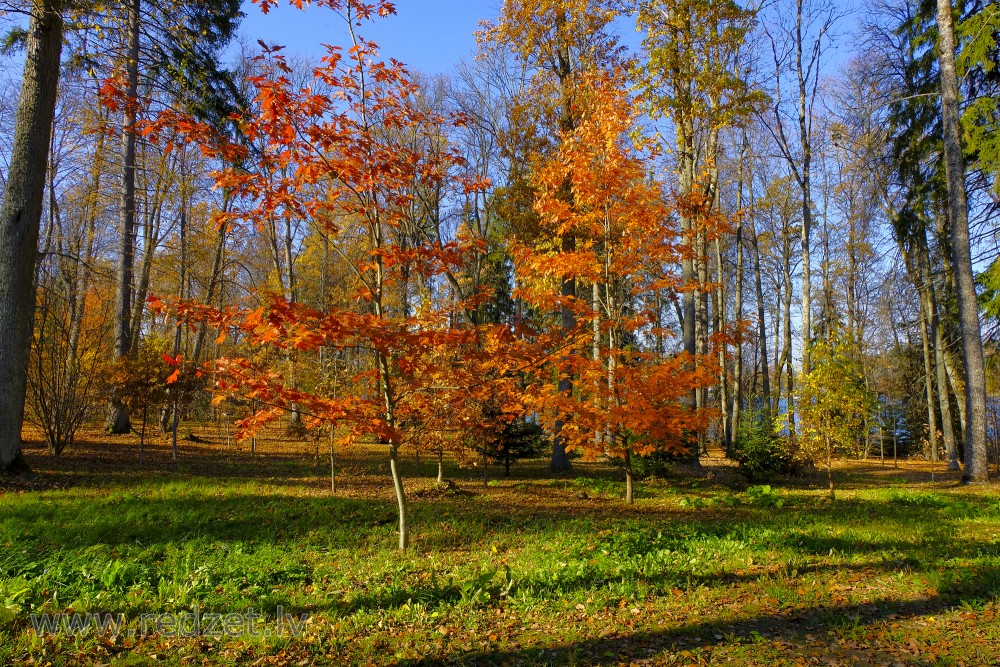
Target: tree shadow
point(794, 630)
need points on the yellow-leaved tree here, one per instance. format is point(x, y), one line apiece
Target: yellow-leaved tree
point(836, 402)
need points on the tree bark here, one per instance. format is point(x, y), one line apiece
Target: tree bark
point(976, 463)
point(925, 342)
point(119, 422)
point(737, 404)
point(397, 483)
point(560, 457)
point(937, 339)
point(20, 219)
point(785, 360)
point(567, 122)
point(804, 183)
point(629, 479)
point(765, 379)
point(719, 316)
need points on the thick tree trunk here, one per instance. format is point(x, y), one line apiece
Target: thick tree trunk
point(20, 219)
point(976, 463)
point(119, 421)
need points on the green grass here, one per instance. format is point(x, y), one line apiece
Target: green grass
point(520, 572)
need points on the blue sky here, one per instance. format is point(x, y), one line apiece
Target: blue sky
point(428, 35)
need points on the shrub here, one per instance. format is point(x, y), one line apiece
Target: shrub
point(514, 440)
point(761, 453)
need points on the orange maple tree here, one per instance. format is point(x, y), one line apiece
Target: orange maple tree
point(628, 399)
point(332, 159)
point(336, 161)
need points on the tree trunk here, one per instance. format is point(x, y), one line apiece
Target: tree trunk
point(976, 463)
point(944, 398)
point(785, 360)
point(930, 306)
point(150, 241)
point(737, 405)
point(181, 294)
point(629, 483)
point(765, 380)
point(20, 219)
point(829, 468)
point(213, 282)
point(333, 470)
point(719, 300)
point(564, 69)
point(397, 483)
point(804, 182)
point(560, 458)
point(957, 385)
point(83, 266)
point(119, 422)
point(701, 323)
point(925, 343)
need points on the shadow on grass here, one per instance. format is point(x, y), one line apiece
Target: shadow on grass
point(791, 629)
point(164, 509)
point(654, 553)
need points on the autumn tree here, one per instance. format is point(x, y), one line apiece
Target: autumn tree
point(343, 171)
point(836, 401)
point(557, 41)
point(692, 76)
point(628, 400)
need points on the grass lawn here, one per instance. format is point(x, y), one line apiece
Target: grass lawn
point(900, 569)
